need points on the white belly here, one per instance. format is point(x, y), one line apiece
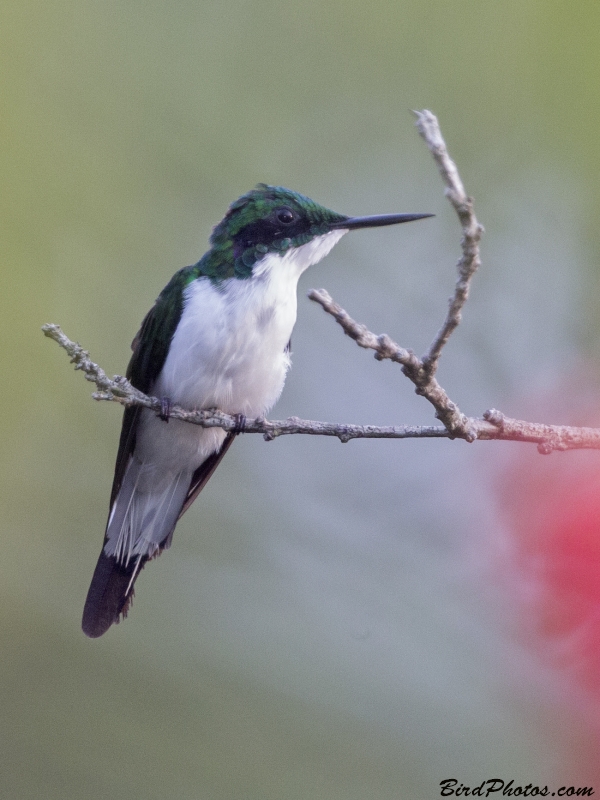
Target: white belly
point(229, 349)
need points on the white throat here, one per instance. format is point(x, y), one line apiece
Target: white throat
point(296, 260)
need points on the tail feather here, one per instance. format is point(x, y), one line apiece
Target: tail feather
point(140, 526)
point(110, 593)
point(143, 516)
point(145, 511)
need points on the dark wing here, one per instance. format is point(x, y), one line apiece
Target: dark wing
point(111, 591)
point(205, 471)
point(150, 348)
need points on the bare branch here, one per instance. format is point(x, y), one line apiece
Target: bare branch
point(547, 437)
point(428, 127)
point(422, 371)
point(456, 423)
point(119, 390)
point(494, 424)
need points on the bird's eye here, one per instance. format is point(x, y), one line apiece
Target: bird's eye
point(285, 216)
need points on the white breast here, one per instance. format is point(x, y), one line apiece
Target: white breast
point(228, 352)
point(229, 348)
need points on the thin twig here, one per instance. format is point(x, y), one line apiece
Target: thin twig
point(428, 127)
point(456, 423)
point(493, 425)
point(119, 390)
point(422, 371)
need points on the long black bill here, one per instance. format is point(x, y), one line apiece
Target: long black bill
point(354, 223)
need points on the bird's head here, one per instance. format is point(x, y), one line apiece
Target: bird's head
point(272, 219)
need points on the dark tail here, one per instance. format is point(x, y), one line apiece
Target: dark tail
point(111, 591)
point(110, 594)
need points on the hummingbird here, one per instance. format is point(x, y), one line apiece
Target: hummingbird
point(218, 336)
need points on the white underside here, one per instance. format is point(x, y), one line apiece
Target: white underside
point(228, 352)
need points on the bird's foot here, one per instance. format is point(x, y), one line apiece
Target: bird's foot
point(166, 404)
point(240, 424)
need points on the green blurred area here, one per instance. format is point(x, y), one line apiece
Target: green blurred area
point(127, 129)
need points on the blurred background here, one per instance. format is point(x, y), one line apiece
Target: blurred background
point(332, 621)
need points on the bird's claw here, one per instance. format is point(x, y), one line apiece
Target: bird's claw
point(165, 408)
point(240, 424)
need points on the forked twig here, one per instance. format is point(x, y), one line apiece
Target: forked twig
point(421, 371)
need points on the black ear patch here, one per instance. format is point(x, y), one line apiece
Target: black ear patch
point(283, 223)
